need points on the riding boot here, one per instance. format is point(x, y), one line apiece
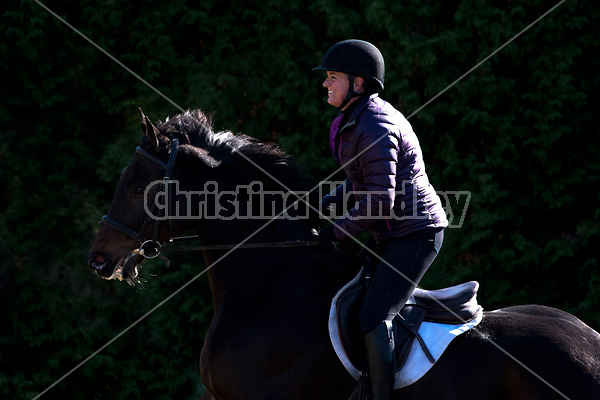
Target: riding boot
point(379, 345)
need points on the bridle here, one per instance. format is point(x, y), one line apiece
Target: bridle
point(152, 248)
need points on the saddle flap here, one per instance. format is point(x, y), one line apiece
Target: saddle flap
point(347, 308)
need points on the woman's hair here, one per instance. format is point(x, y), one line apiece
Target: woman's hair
point(369, 86)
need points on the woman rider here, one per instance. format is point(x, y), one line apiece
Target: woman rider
point(382, 158)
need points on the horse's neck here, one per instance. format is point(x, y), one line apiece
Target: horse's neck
point(254, 231)
point(245, 276)
point(241, 270)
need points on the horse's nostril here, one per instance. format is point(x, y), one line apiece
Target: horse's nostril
point(97, 261)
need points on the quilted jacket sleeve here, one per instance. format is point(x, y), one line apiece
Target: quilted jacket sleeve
point(376, 156)
point(338, 195)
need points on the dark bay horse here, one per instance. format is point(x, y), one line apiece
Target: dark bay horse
point(268, 338)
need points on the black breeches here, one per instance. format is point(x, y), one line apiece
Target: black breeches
point(405, 261)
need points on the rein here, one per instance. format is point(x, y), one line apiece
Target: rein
point(152, 248)
point(271, 245)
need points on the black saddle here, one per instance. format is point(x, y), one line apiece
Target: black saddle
point(452, 305)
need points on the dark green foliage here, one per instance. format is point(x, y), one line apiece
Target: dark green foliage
point(520, 133)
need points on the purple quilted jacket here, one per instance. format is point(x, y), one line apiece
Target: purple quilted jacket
point(383, 161)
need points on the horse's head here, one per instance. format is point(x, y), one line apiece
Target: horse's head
point(170, 188)
point(140, 216)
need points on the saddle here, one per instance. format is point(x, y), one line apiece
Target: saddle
point(454, 309)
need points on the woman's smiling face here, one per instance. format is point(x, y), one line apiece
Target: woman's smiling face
point(337, 87)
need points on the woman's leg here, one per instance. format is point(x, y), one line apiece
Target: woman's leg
point(405, 261)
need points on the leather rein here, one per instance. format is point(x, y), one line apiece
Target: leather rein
point(152, 248)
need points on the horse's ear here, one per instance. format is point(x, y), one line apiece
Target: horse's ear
point(149, 130)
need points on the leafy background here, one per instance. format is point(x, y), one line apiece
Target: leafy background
point(520, 133)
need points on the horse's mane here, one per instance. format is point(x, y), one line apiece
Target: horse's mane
point(200, 143)
point(255, 160)
point(193, 127)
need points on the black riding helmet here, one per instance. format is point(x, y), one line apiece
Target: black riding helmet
point(356, 58)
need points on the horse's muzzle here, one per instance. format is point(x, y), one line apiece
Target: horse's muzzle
point(125, 269)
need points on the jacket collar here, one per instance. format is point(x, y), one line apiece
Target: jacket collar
point(362, 105)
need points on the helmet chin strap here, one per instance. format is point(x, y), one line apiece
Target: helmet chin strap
point(351, 93)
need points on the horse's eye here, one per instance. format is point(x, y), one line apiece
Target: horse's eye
point(139, 190)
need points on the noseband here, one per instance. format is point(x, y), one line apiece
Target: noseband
point(150, 248)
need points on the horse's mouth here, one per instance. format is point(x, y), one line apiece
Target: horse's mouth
point(127, 268)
